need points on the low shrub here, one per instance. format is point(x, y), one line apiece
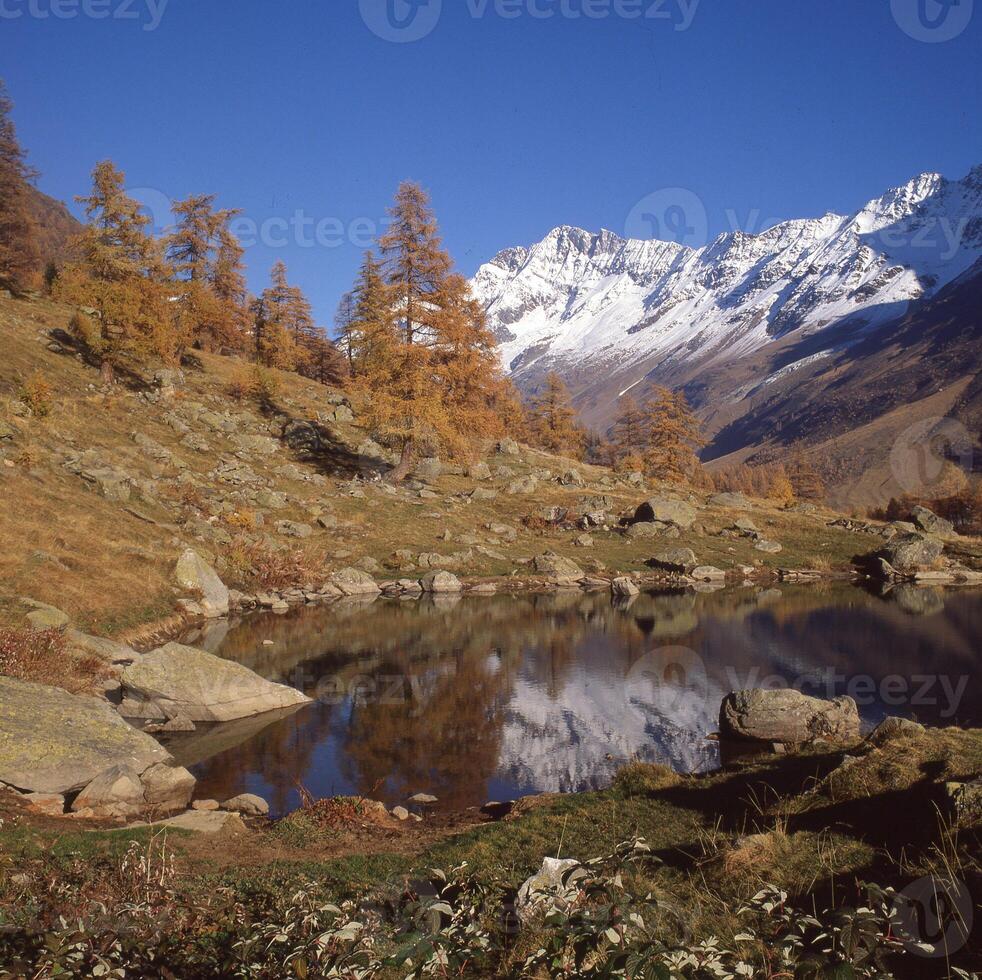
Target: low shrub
point(43, 656)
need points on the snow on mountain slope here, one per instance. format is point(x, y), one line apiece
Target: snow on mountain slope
point(596, 304)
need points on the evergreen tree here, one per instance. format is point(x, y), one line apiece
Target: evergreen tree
point(672, 438)
point(122, 273)
point(421, 348)
point(416, 264)
point(344, 320)
point(552, 420)
point(20, 254)
point(805, 478)
point(284, 329)
point(629, 435)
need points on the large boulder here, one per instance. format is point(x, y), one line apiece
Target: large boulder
point(195, 575)
point(787, 716)
point(441, 583)
point(907, 552)
point(676, 560)
point(557, 566)
point(45, 617)
point(428, 469)
point(667, 510)
point(117, 792)
point(167, 787)
point(354, 582)
point(928, 521)
point(55, 742)
point(180, 681)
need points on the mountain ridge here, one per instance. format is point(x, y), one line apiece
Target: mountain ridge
point(742, 313)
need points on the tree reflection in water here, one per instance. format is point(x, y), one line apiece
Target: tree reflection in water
point(482, 698)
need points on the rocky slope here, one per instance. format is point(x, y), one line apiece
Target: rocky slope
point(746, 317)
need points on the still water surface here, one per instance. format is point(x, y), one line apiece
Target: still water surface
point(489, 698)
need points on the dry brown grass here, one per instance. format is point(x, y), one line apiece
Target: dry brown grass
point(43, 656)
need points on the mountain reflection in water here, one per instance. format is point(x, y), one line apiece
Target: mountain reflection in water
point(489, 698)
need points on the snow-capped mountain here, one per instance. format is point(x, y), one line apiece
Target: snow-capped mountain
point(609, 313)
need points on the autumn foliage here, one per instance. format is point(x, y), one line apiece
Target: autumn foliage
point(20, 256)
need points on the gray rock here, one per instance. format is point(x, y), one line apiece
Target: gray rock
point(675, 560)
point(441, 582)
point(194, 574)
point(205, 822)
point(572, 478)
point(645, 529)
point(55, 742)
point(271, 500)
point(428, 469)
point(894, 727)
point(179, 680)
point(546, 887)
point(928, 521)
point(668, 510)
point(707, 573)
point(423, 799)
point(557, 566)
point(291, 529)
point(907, 552)
point(523, 485)
point(117, 791)
point(625, 587)
point(167, 787)
point(508, 447)
point(247, 803)
point(102, 649)
point(354, 582)
point(787, 716)
point(769, 547)
point(400, 813)
point(45, 617)
point(479, 471)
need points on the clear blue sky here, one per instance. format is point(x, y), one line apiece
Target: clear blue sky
point(516, 124)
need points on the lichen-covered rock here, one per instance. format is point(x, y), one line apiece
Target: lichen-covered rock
point(675, 560)
point(55, 742)
point(441, 582)
point(354, 582)
point(894, 727)
point(548, 885)
point(667, 510)
point(167, 787)
point(116, 792)
point(183, 681)
point(929, 522)
point(787, 716)
point(625, 587)
point(248, 804)
point(907, 552)
point(196, 575)
point(45, 617)
point(557, 566)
